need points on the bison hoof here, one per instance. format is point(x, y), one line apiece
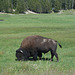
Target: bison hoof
point(51, 59)
point(40, 58)
point(57, 60)
point(16, 59)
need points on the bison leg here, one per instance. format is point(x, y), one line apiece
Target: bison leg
point(56, 55)
point(25, 58)
point(52, 55)
point(26, 55)
point(39, 55)
point(35, 56)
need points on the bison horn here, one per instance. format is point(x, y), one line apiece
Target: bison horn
point(21, 51)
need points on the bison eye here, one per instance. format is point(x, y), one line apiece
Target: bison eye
point(21, 51)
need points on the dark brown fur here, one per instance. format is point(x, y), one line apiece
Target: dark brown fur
point(34, 46)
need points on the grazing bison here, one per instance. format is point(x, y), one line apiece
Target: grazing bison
point(35, 45)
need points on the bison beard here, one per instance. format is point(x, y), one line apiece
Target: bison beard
point(34, 46)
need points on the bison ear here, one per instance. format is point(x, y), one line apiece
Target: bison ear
point(21, 51)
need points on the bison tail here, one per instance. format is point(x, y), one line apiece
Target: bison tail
point(59, 44)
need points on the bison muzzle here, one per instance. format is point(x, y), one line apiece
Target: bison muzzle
point(33, 46)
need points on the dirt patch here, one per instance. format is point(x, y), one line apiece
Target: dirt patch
point(30, 12)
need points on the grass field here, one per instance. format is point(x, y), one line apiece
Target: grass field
point(14, 28)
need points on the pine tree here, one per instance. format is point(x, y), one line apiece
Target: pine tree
point(35, 5)
point(69, 4)
point(74, 5)
point(38, 7)
point(14, 3)
point(57, 5)
point(31, 5)
point(1, 5)
point(7, 6)
point(20, 7)
point(46, 6)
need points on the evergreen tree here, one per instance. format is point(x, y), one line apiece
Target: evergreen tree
point(74, 4)
point(7, 6)
point(46, 6)
point(14, 3)
point(31, 5)
point(39, 6)
point(20, 7)
point(57, 5)
point(35, 5)
point(1, 5)
point(69, 4)
point(63, 4)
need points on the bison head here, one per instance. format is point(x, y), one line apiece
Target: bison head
point(20, 54)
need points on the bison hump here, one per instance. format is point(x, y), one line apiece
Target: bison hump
point(27, 44)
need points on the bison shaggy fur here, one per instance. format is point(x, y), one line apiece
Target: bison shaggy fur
point(33, 46)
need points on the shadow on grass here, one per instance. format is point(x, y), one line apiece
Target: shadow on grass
point(1, 19)
point(31, 59)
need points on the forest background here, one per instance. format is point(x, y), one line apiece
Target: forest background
point(38, 6)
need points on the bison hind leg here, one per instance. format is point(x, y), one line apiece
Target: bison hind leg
point(52, 55)
point(56, 55)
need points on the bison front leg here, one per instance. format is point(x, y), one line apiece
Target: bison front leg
point(35, 56)
point(25, 58)
point(26, 55)
point(40, 55)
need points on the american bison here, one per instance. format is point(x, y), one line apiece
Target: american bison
point(33, 46)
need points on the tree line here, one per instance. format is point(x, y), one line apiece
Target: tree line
point(39, 6)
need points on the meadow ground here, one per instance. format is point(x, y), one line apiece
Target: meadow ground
point(14, 28)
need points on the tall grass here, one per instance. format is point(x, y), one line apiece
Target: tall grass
point(14, 28)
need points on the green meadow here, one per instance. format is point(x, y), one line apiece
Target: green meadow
point(15, 27)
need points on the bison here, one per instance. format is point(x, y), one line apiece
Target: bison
point(33, 46)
